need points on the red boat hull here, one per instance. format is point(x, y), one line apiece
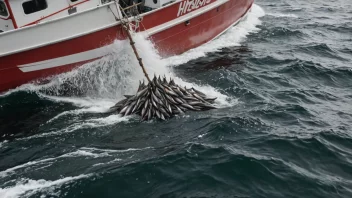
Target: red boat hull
point(171, 41)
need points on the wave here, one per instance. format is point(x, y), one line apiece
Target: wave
point(82, 124)
point(117, 150)
point(321, 50)
point(266, 159)
point(233, 37)
point(283, 33)
point(3, 143)
point(90, 152)
point(312, 71)
point(28, 187)
point(82, 152)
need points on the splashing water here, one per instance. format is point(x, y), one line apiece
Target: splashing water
point(101, 83)
point(233, 37)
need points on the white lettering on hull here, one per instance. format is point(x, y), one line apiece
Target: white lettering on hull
point(190, 5)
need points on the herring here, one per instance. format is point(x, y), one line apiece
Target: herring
point(162, 99)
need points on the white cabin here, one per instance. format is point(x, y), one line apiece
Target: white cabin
point(15, 14)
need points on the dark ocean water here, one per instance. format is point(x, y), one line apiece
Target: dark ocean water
point(282, 129)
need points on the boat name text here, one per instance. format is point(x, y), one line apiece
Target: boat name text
point(190, 5)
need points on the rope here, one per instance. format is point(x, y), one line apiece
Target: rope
point(125, 24)
point(135, 51)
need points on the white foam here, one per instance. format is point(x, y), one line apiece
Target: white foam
point(109, 120)
point(82, 152)
point(116, 151)
point(281, 15)
point(233, 37)
point(3, 143)
point(91, 123)
point(93, 107)
point(28, 187)
point(110, 162)
point(7, 171)
point(221, 101)
point(80, 102)
point(105, 81)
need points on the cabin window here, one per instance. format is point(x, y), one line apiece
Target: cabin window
point(3, 9)
point(30, 7)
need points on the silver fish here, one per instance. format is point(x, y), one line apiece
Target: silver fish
point(144, 117)
point(162, 117)
point(198, 97)
point(178, 100)
point(128, 96)
point(144, 111)
point(130, 107)
point(149, 113)
point(146, 103)
point(157, 113)
point(190, 98)
point(162, 99)
point(137, 105)
point(123, 110)
point(199, 92)
point(170, 92)
point(156, 99)
point(171, 99)
point(169, 108)
point(158, 94)
point(183, 108)
point(163, 111)
point(188, 106)
point(141, 93)
point(160, 86)
point(131, 99)
point(183, 100)
point(179, 110)
point(183, 90)
point(154, 103)
point(178, 92)
point(195, 103)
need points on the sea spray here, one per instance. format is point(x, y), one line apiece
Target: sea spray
point(233, 37)
point(100, 83)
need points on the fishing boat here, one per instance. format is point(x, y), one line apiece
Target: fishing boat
point(41, 38)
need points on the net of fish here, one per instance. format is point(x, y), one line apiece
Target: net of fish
point(162, 99)
point(159, 98)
